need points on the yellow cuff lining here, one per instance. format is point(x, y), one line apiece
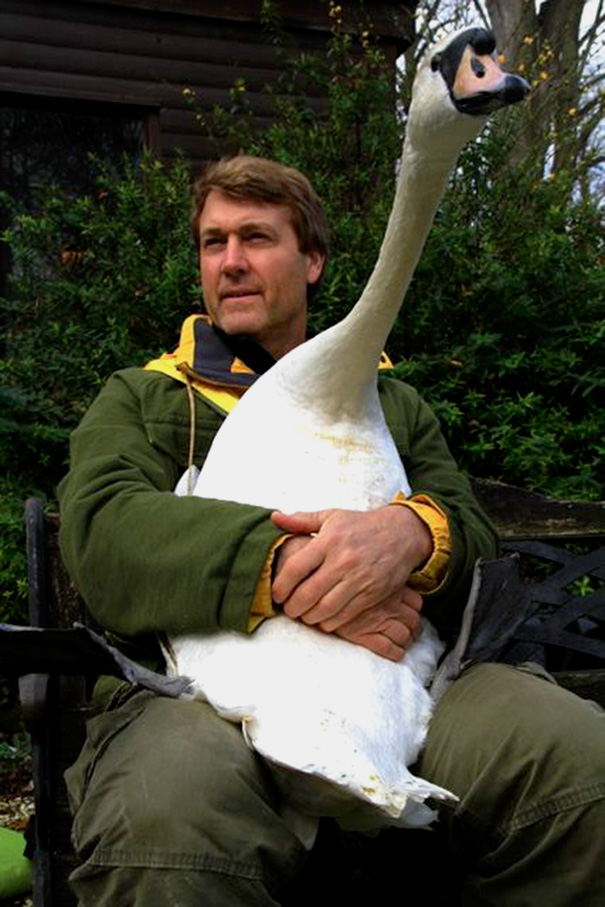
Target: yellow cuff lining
point(431, 576)
point(262, 603)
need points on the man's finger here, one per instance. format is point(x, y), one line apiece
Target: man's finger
point(301, 522)
point(412, 598)
point(384, 618)
point(295, 570)
point(322, 597)
point(377, 643)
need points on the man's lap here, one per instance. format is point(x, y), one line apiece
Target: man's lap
point(165, 783)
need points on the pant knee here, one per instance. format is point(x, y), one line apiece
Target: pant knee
point(526, 759)
point(177, 787)
point(510, 743)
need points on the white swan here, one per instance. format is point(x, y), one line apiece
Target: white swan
point(346, 720)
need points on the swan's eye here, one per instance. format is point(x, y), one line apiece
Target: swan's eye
point(478, 68)
point(436, 62)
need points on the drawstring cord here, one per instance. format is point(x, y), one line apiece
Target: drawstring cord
point(182, 367)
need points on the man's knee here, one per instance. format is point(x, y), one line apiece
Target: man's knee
point(511, 743)
point(187, 762)
point(169, 783)
point(526, 759)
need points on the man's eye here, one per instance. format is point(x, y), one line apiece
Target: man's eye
point(257, 237)
point(212, 241)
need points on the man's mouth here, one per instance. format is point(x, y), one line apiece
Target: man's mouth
point(239, 293)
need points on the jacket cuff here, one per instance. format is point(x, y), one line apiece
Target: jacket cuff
point(262, 603)
point(429, 578)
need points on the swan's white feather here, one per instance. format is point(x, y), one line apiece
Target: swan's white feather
point(296, 459)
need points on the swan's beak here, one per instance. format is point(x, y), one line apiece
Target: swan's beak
point(469, 67)
point(480, 86)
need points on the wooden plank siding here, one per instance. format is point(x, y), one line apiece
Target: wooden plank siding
point(142, 54)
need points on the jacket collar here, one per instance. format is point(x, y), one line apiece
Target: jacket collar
point(213, 357)
point(208, 355)
point(237, 359)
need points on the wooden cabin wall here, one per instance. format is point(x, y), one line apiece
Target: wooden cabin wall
point(139, 55)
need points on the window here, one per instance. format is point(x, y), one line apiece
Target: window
point(49, 142)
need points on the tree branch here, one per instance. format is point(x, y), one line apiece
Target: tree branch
point(482, 13)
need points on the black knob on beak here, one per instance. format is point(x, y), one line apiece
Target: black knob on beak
point(482, 41)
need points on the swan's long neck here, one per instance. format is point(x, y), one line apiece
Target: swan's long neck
point(456, 88)
point(420, 187)
point(357, 341)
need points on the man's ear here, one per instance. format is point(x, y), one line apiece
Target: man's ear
point(315, 265)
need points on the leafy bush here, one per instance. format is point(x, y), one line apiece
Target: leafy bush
point(99, 282)
point(13, 568)
point(503, 328)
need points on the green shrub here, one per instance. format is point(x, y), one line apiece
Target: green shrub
point(99, 282)
point(95, 285)
point(13, 568)
point(504, 325)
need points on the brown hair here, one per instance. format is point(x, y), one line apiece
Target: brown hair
point(261, 180)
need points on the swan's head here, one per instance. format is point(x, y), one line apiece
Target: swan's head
point(458, 85)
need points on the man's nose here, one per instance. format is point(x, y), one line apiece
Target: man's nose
point(234, 258)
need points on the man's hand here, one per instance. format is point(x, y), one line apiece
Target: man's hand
point(388, 628)
point(347, 571)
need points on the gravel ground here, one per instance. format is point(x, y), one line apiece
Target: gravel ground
point(16, 807)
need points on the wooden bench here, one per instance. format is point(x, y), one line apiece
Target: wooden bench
point(561, 553)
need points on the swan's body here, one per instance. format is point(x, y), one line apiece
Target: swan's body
point(315, 437)
point(292, 688)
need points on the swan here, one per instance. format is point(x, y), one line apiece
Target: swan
point(342, 725)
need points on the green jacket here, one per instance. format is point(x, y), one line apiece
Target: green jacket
point(148, 562)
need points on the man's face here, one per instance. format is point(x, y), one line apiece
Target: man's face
point(254, 276)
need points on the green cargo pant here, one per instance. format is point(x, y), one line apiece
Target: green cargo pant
point(170, 806)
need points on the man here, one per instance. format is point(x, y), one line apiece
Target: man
point(170, 806)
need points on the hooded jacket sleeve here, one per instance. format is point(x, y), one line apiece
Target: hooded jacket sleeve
point(432, 471)
point(144, 559)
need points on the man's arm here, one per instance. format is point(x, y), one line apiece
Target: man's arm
point(145, 560)
point(432, 470)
